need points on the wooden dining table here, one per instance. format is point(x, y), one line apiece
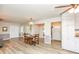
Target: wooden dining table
point(31, 39)
point(28, 39)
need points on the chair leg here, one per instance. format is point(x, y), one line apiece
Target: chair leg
point(34, 43)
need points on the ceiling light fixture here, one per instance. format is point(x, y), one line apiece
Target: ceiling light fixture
point(31, 22)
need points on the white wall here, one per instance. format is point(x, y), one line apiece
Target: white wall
point(77, 27)
point(47, 20)
point(41, 31)
point(70, 22)
point(47, 32)
point(27, 28)
point(69, 41)
point(38, 30)
point(13, 29)
point(77, 21)
point(21, 30)
point(3, 24)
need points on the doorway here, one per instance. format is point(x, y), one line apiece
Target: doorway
point(56, 34)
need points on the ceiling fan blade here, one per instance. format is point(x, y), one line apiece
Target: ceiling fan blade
point(62, 6)
point(65, 11)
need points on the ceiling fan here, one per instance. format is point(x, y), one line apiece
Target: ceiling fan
point(69, 7)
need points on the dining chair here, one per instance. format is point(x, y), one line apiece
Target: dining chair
point(35, 39)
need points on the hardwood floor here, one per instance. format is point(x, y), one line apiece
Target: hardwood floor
point(16, 46)
point(56, 44)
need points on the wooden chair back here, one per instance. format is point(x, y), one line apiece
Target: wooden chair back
point(36, 38)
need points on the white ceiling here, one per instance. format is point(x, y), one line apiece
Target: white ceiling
point(23, 12)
